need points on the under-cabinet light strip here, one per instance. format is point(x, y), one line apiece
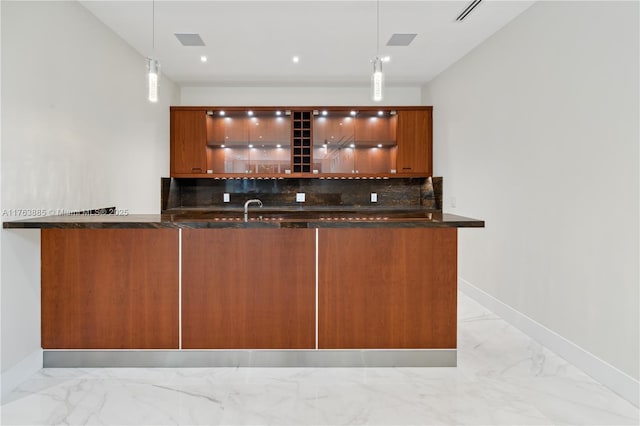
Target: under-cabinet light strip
point(180, 288)
point(316, 288)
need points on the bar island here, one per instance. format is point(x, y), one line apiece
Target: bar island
point(285, 287)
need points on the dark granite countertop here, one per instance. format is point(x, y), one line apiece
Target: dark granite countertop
point(283, 218)
point(297, 208)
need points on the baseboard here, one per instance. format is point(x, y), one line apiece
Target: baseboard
point(20, 372)
point(605, 373)
point(251, 358)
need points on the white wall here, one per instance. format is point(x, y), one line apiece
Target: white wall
point(536, 131)
point(295, 96)
point(81, 133)
point(20, 304)
point(77, 133)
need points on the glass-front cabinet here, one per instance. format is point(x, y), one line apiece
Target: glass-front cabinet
point(272, 141)
point(352, 141)
point(248, 141)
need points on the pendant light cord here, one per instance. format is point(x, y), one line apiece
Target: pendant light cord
point(153, 27)
point(377, 28)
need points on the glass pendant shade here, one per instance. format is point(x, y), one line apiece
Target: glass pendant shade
point(153, 69)
point(377, 80)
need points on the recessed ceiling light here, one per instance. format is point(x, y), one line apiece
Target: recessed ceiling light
point(379, 145)
point(386, 59)
point(353, 113)
point(324, 113)
point(353, 145)
point(278, 146)
point(222, 146)
point(221, 113)
point(203, 58)
point(380, 113)
point(295, 59)
point(250, 112)
point(278, 113)
point(250, 146)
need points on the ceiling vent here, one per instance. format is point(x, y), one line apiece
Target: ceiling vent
point(189, 39)
point(401, 39)
point(468, 10)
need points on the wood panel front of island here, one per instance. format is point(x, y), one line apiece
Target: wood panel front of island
point(387, 288)
point(255, 288)
point(248, 289)
point(109, 289)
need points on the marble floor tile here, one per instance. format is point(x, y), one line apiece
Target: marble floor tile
point(503, 378)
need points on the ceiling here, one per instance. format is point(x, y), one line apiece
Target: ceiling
point(253, 42)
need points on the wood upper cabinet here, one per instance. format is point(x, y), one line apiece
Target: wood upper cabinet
point(188, 142)
point(414, 139)
point(332, 140)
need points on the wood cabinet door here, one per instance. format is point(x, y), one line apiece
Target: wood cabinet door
point(248, 289)
point(384, 288)
point(414, 139)
point(188, 142)
point(109, 288)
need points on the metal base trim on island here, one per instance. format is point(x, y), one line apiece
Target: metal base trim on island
point(250, 358)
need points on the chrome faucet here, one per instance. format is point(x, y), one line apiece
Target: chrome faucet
point(246, 207)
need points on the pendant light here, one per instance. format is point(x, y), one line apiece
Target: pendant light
point(153, 66)
point(377, 78)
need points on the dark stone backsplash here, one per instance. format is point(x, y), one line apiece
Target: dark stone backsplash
point(205, 193)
